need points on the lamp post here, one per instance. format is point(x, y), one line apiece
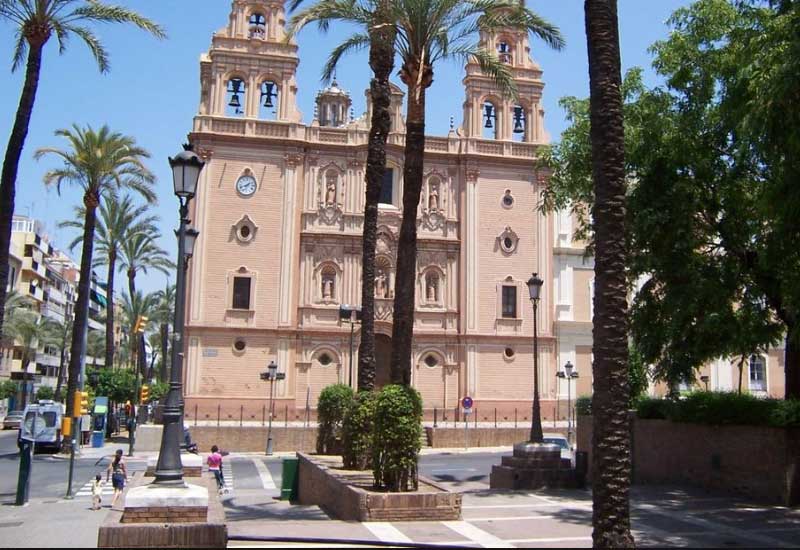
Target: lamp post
point(270, 375)
point(570, 374)
point(534, 289)
point(186, 167)
point(352, 315)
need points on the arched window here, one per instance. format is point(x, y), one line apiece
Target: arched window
point(519, 131)
point(236, 97)
point(504, 51)
point(328, 283)
point(269, 103)
point(258, 26)
point(490, 121)
point(331, 187)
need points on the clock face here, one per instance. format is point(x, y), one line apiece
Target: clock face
point(246, 185)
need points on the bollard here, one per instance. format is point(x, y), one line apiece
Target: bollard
point(219, 409)
point(476, 417)
point(434, 417)
point(195, 414)
point(286, 415)
point(263, 413)
point(241, 415)
point(515, 417)
point(495, 417)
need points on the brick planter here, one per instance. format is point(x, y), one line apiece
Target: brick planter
point(347, 494)
point(183, 527)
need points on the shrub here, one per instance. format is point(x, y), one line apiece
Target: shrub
point(653, 409)
point(583, 405)
point(357, 432)
point(396, 435)
point(332, 404)
point(45, 392)
point(719, 408)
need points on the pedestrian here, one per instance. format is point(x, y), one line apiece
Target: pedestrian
point(119, 475)
point(214, 462)
point(97, 487)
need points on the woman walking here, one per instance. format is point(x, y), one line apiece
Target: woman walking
point(119, 475)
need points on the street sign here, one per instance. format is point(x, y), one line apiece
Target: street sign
point(466, 402)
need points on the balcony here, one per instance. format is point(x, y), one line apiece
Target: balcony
point(32, 265)
point(35, 292)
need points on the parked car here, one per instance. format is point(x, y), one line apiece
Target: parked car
point(566, 451)
point(12, 420)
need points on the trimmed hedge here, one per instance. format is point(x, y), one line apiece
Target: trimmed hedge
point(333, 402)
point(716, 408)
point(357, 432)
point(583, 405)
point(397, 431)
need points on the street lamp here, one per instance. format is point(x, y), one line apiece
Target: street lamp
point(569, 373)
point(270, 375)
point(352, 315)
point(186, 167)
point(535, 289)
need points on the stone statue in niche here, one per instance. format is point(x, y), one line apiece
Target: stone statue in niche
point(380, 285)
point(433, 288)
point(433, 198)
point(330, 192)
point(327, 287)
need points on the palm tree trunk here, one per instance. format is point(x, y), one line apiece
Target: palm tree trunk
point(81, 324)
point(381, 60)
point(163, 374)
point(25, 364)
point(132, 293)
point(611, 441)
point(405, 281)
point(112, 263)
point(8, 180)
point(61, 362)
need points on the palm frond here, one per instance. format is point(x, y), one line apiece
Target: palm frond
point(354, 43)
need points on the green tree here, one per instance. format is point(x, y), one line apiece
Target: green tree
point(8, 388)
point(712, 237)
point(45, 393)
point(141, 305)
point(139, 253)
point(36, 22)
point(101, 163)
point(381, 34)
point(31, 332)
point(164, 315)
point(611, 467)
point(119, 385)
point(65, 335)
point(118, 221)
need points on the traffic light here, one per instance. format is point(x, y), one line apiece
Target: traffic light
point(80, 403)
point(144, 394)
point(139, 326)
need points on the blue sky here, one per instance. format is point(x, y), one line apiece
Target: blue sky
point(152, 90)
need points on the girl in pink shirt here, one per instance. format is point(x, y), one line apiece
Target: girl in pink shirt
point(214, 462)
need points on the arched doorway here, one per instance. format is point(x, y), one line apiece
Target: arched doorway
point(383, 357)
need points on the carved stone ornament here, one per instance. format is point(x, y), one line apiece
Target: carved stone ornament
point(508, 240)
point(427, 258)
point(245, 229)
point(432, 221)
point(328, 254)
point(330, 192)
point(384, 309)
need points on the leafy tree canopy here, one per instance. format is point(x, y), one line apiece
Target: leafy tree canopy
point(713, 194)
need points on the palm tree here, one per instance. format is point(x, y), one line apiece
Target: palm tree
point(141, 305)
point(164, 315)
point(95, 345)
point(31, 332)
point(140, 252)
point(36, 22)
point(382, 35)
point(118, 221)
point(102, 163)
point(611, 442)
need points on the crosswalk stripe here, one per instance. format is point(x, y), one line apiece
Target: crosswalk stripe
point(487, 540)
point(263, 473)
point(386, 532)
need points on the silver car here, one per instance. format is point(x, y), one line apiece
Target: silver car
point(561, 441)
point(12, 420)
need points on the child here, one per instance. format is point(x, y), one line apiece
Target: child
point(214, 462)
point(97, 487)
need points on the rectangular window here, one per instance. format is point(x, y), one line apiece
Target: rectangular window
point(758, 377)
point(241, 292)
point(510, 302)
point(387, 187)
point(29, 251)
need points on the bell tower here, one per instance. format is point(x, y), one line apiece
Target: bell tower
point(250, 72)
point(488, 114)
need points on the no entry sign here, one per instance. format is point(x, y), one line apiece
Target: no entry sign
point(466, 402)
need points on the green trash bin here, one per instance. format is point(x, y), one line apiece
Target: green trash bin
point(289, 479)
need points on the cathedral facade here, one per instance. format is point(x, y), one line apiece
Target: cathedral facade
point(280, 211)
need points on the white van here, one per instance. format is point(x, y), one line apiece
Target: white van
point(42, 423)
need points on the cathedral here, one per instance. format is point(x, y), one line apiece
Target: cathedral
point(280, 208)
